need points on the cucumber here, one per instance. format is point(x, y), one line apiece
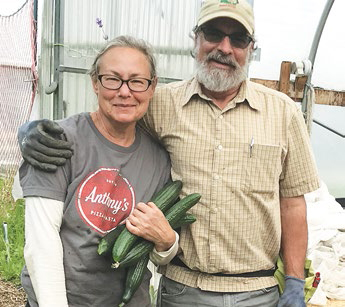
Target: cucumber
point(164, 199)
point(141, 249)
point(144, 247)
point(187, 219)
point(167, 195)
point(135, 275)
point(105, 245)
point(176, 212)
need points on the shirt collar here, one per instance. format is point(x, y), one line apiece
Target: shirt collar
point(245, 94)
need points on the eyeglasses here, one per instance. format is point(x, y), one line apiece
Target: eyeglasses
point(112, 82)
point(237, 39)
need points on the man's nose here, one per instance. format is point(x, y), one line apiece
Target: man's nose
point(225, 45)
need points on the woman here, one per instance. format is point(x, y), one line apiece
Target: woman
point(67, 212)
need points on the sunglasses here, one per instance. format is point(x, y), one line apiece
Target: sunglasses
point(237, 39)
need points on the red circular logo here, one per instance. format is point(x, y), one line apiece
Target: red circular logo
point(105, 199)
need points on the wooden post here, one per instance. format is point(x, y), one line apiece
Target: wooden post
point(284, 80)
point(300, 82)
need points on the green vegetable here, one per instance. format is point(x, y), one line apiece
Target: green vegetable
point(164, 199)
point(177, 212)
point(135, 275)
point(138, 256)
point(141, 249)
point(144, 247)
point(187, 219)
point(106, 244)
point(168, 195)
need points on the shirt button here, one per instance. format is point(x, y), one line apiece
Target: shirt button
point(221, 116)
point(216, 177)
point(220, 147)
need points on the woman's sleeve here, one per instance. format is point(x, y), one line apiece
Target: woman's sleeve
point(43, 250)
point(162, 258)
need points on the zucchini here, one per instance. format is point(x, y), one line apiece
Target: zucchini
point(135, 275)
point(164, 199)
point(105, 245)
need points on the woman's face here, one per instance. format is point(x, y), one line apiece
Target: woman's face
point(123, 107)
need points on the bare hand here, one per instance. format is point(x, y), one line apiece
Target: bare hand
point(149, 222)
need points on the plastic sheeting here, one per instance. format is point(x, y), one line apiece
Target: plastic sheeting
point(326, 246)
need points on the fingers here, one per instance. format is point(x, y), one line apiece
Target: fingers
point(42, 166)
point(42, 145)
point(42, 153)
point(149, 222)
point(51, 126)
point(48, 136)
point(146, 208)
point(42, 158)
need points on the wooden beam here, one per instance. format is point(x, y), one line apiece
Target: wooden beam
point(295, 91)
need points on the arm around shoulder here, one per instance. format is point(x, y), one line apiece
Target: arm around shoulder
point(41, 144)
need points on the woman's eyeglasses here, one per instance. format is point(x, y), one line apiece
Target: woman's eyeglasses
point(112, 82)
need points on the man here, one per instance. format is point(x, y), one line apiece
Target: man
point(245, 148)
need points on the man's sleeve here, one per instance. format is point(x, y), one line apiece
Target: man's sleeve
point(300, 174)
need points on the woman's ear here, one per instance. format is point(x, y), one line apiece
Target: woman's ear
point(154, 83)
point(95, 85)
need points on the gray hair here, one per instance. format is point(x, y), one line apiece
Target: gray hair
point(130, 42)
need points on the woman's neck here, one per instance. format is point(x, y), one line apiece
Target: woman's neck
point(122, 135)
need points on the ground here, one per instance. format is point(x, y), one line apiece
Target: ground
point(10, 295)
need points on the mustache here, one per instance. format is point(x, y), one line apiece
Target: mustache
point(222, 58)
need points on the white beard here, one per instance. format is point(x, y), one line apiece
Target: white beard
point(217, 79)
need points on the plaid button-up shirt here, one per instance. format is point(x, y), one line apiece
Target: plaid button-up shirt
point(241, 160)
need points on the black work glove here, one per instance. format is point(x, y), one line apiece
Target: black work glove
point(42, 146)
point(293, 295)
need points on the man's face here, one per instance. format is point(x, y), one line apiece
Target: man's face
point(222, 65)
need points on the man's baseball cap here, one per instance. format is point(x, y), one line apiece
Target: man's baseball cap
point(239, 10)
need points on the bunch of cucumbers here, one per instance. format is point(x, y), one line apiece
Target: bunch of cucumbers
point(132, 252)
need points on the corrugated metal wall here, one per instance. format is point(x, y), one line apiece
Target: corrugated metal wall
point(166, 24)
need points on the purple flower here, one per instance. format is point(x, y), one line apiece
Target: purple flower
point(99, 22)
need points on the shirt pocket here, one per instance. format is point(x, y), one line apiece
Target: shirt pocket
point(263, 168)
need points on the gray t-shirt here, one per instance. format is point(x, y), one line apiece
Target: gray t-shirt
point(99, 186)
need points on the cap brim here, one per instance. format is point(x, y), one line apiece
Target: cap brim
point(227, 15)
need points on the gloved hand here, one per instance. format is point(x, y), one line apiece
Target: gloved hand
point(293, 295)
point(42, 146)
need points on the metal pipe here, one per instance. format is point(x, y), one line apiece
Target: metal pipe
point(314, 47)
point(329, 128)
point(318, 33)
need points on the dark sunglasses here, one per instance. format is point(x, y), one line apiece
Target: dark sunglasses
point(237, 39)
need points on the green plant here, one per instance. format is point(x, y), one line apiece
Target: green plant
point(12, 240)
